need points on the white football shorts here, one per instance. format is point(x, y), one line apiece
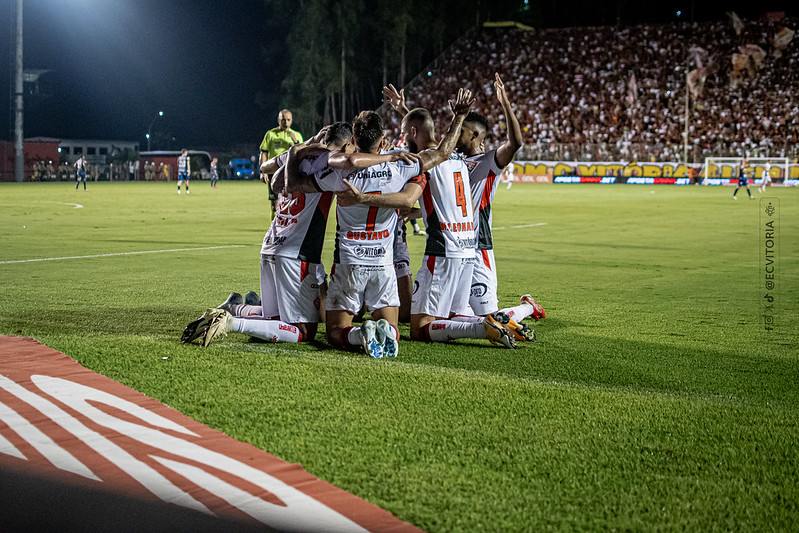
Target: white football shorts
point(290, 289)
point(483, 296)
point(352, 286)
point(442, 286)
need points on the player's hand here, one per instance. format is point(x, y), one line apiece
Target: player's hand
point(393, 97)
point(405, 157)
point(319, 137)
point(349, 197)
point(463, 102)
point(499, 89)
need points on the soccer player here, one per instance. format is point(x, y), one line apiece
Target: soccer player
point(80, 167)
point(766, 179)
point(742, 180)
point(275, 142)
point(485, 168)
point(292, 274)
point(184, 169)
point(214, 172)
point(364, 270)
point(443, 283)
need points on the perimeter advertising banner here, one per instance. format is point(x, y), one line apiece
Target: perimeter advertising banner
point(641, 173)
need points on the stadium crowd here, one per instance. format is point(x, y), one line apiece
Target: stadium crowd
point(609, 93)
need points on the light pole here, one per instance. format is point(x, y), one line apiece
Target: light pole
point(19, 159)
point(150, 128)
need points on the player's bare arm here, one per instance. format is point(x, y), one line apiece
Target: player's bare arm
point(508, 149)
point(405, 199)
point(460, 108)
point(396, 99)
point(344, 161)
point(297, 181)
point(278, 183)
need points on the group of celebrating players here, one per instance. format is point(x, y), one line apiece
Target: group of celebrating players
point(376, 187)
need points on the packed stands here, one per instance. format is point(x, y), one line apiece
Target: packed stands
point(619, 93)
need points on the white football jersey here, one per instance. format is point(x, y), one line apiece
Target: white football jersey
point(298, 229)
point(484, 179)
point(447, 210)
point(364, 234)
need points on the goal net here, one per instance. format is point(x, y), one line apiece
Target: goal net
point(722, 170)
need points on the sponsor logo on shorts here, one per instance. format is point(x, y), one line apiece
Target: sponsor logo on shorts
point(369, 251)
point(479, 290)
point(415, 286)
point(276, 241)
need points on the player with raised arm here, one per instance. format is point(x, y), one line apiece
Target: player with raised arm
point(443, 283)
point(364, 271)
point(484, 171)
point(292, 274)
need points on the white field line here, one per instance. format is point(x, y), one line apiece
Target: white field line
point(77, 206)
point(524, 226)
point(120, 253)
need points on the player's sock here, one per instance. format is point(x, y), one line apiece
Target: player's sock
point(270, 330)
point(520, 312)
point(244, 310)
point(351, 337)
point(467, 318)
point(748, 192)
point(446, 330)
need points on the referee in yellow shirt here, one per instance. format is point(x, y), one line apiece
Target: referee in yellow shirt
point(276, 141)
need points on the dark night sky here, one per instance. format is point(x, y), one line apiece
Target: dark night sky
point(116, 63)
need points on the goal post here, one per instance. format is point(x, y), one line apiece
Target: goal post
point(727, 167)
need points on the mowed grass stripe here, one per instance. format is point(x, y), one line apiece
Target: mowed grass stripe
point(653, 400)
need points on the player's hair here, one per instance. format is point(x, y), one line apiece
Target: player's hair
point(367, 128)
point(422, 119)
point(477, 118)
point(338, 133)
point(284, 111)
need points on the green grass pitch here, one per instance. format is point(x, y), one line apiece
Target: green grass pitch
point(653, 400)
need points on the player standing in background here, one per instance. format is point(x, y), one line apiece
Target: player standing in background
point(275, 142)
point(742, 180)
point(184, 169)
point(766, 179)
point(214, 172)
point(80, 168)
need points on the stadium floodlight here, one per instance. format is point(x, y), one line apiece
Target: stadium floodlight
point(150, 128)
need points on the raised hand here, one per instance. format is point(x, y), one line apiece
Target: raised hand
point(395, 98)
point(463, 102)
point(499, 89)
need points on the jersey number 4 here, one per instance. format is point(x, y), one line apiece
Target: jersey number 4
point(460, 196)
